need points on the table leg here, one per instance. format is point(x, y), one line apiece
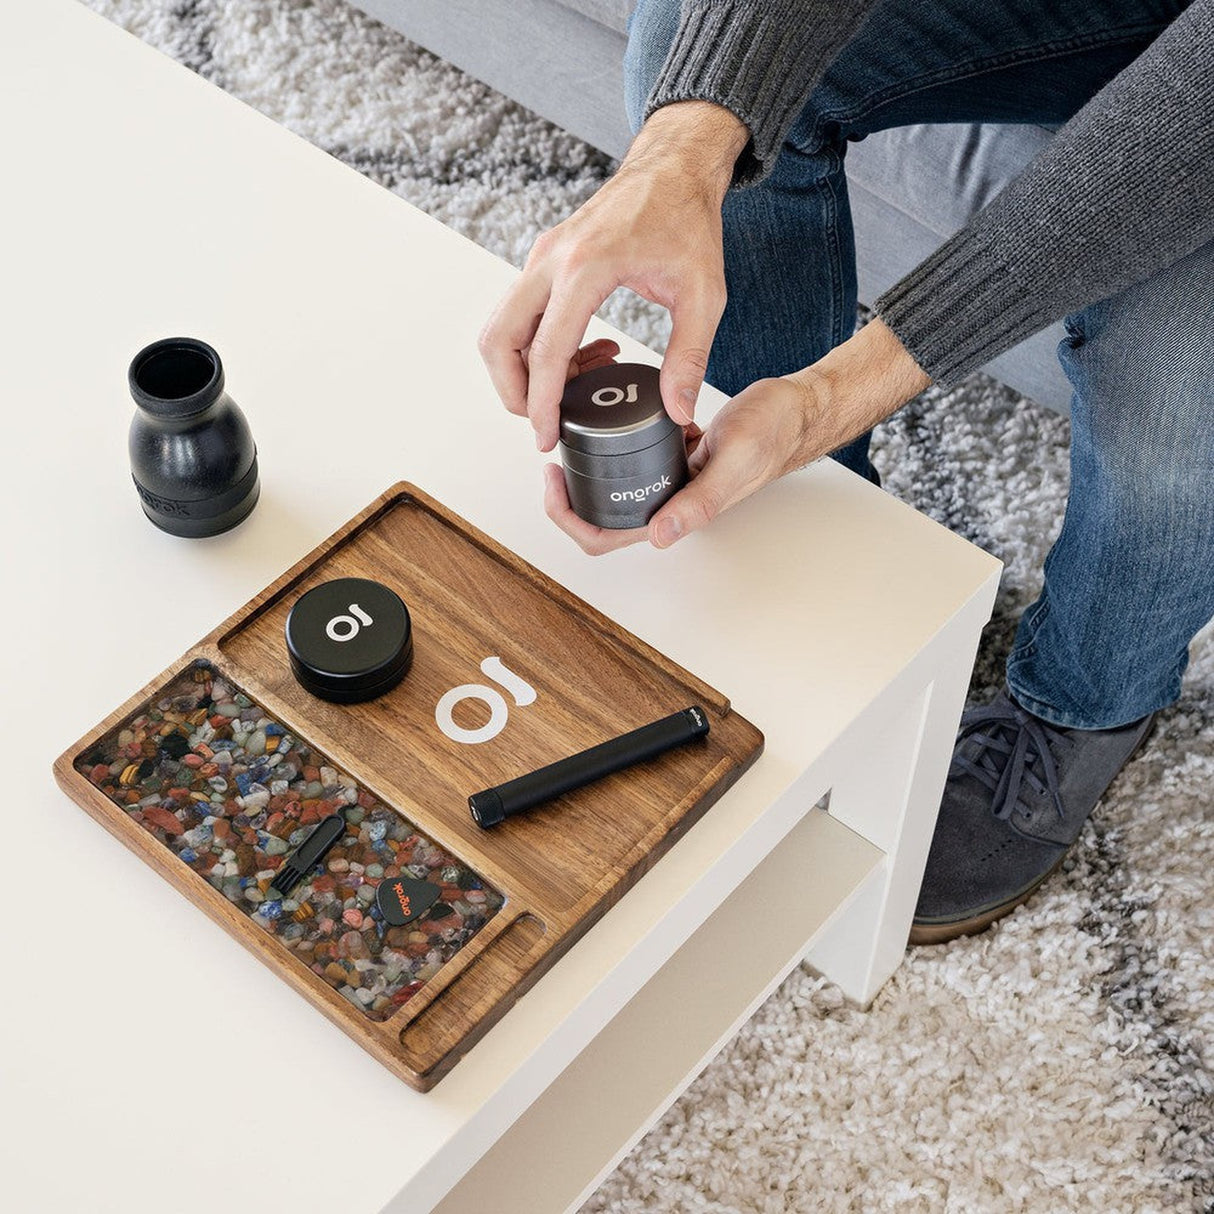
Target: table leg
point(892, 769)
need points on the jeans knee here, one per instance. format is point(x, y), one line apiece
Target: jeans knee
point(1144, 398)
point(651, 30)
point(1151, 345)
point(1149, 495)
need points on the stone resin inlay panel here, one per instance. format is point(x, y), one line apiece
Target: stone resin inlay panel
point(232, 792)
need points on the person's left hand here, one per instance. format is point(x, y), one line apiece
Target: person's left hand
point(756, 437)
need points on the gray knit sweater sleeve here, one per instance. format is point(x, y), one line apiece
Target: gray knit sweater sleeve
point(1124, 189)
point(760, 59)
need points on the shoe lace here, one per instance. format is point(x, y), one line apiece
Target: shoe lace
point(1012, 746)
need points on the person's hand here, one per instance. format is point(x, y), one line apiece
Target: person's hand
point(590, 358)
point(773, 427)
point(654, 227)
point(755, 438)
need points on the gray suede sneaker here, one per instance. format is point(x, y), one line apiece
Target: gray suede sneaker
point(1018, 793)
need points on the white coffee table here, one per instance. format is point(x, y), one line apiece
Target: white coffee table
point(141, 1044)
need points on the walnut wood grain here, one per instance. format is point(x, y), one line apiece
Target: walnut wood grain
point(560, 866)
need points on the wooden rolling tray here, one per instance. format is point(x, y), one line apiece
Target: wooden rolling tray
point(558, 867)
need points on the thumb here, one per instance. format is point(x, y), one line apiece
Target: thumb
point(693, 326)
point(723, 480)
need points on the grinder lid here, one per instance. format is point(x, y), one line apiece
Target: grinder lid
point(350, 639)
point(615, 410)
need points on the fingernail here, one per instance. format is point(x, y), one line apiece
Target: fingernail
point(688, 399)
point(539, 442)
point(667, 531)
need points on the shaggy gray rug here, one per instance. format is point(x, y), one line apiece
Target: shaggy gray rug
point(1064, 1060)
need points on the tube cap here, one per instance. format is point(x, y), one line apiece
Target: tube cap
point(487, 809)
point(349, 640)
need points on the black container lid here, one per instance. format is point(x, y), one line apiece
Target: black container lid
point(614, 410)
point(349, 640)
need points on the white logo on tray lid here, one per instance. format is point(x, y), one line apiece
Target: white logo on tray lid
point(346, 627)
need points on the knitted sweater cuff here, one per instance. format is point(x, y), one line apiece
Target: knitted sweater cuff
point(960, 308)
point(759, 60)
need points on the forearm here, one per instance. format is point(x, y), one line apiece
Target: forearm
point(759, 59)
point(855, 386)
point(1124, 190)
point(697, 141)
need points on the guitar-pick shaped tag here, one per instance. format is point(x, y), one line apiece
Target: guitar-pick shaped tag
point(402, 899)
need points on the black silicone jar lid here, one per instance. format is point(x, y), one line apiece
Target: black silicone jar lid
point(614, 410)
point(349, 640)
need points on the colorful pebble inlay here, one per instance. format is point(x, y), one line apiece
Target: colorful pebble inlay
point(231, 792)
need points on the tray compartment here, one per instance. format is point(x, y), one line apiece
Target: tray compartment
point(468, 604)
point(232, 798)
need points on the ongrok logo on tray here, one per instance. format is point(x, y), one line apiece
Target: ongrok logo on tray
point(494, 668)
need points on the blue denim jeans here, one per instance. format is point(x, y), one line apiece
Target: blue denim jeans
point(1131, 578)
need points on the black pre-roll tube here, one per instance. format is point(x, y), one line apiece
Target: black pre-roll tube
point(493, 805)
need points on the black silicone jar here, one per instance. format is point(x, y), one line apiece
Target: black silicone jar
point(193, 458)
point(349, 640)
point(623, 455)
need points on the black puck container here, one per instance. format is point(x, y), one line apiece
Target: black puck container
point(349, 640)
point(623, 455)
point(193, 458)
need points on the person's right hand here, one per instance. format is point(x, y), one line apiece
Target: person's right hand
point(654, 227)
point(767, 430)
